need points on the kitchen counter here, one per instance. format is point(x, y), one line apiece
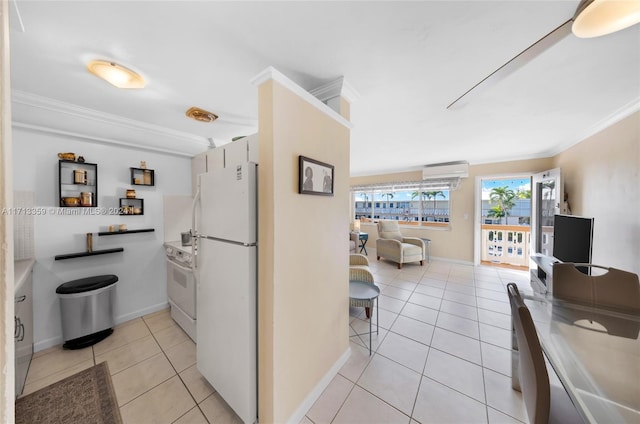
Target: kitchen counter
point(21, 270)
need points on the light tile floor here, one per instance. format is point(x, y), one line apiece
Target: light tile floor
point(153, 369)
point(442, 354)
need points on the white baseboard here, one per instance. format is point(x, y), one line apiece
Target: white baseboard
point(317, 391)
point(141, 312)
point(46, 344)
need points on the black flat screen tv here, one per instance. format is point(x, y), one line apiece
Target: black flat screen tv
point(573, 239)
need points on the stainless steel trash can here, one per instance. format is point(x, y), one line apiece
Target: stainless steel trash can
point(86, 307)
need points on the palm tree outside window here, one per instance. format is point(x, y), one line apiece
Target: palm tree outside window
point(504, 198)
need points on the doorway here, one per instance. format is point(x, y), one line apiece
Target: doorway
point(503, 221)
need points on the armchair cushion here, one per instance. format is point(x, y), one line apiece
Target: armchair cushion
point(392, 245)
point(389, 230)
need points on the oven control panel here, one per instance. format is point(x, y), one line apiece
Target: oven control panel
point(178, 255)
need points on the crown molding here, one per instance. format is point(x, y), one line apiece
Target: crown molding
point(271, 73)
point(46, 103)
point(615, 117)
point(90, 137)
point(338, 87)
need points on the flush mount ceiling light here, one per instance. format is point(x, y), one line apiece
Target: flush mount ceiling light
point(201, 114)
point(115, 74)
point(594, 18)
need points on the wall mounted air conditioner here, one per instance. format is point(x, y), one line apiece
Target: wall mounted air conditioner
point(434, 171)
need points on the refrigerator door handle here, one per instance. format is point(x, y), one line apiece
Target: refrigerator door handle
point(194, 231)
point(239, 243)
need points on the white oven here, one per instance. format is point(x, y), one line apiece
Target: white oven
point(181, 289)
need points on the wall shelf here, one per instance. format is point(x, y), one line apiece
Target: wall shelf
point(142, 177)
point(78, 180)
point(112, 233)
point(131, 206)
point(92, 253)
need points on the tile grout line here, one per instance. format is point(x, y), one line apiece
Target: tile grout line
point(161, 350)
point(484, 379)
point(439, 311)
point(179, 377)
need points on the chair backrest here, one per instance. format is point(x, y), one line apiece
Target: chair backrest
point(388, 229)
point(358, 260)
point(360, 274)
point(534, 380)
point(615, 288)
point(571, 284)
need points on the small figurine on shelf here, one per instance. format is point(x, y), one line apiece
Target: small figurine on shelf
point(81, 159)
point(67, 156)
point(143, 164)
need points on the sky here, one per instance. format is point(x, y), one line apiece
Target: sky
point(513, 183)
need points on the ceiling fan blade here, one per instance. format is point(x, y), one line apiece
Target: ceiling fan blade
point(516, 63)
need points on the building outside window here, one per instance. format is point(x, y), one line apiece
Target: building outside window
point(409, 203)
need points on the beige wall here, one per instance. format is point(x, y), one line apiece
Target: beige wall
point(455, 243)
point(303, 265)
point(602, 178)
point(601, 175)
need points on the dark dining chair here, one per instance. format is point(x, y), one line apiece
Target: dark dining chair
point(545, 403)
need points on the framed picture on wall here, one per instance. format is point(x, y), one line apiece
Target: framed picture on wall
point(315, 177)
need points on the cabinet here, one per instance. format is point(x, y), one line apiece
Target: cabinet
point(131, 206)
point(234, 153)
point(215, 158)
point(252, 148)
point(143, 177)
point(241, 151)
point(77, 183)
point(541, 272)
point(23, 319)
point(198, 166)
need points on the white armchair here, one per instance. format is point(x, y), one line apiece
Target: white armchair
point(393, 246)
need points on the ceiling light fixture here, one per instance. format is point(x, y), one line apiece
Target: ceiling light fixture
point(201, 114)
point(594, 18)
point(115, 74)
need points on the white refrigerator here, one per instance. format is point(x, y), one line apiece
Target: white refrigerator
point(225, 221)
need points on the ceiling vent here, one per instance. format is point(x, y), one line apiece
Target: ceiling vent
point(459, 169)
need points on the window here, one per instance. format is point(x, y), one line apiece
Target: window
point(506, 201)
point(416, 203)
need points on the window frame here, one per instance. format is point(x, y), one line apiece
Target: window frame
point(374, 193)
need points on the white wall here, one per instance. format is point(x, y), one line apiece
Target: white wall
point(140, 268)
